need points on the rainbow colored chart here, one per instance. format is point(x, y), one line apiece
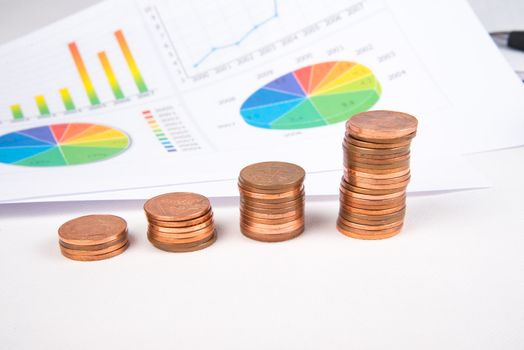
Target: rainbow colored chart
point(62, 144)
point(311, 96)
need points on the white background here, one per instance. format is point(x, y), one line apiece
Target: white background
point(453, 279)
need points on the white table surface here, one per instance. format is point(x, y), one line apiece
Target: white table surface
point(453, 279)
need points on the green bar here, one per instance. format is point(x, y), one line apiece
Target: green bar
point(42, 105)
point(67, 100)
point(16, 110)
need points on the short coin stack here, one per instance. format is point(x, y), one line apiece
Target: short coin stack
point(376, 174)
point(271, 201)
point(93, 237)
point(180, 222)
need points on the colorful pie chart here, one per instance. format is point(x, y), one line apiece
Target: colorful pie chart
point(61, 145)
point(316, 95)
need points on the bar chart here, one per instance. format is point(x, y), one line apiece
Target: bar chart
point(90, 86)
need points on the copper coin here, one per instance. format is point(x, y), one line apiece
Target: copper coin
point(101, 251)
point(177, 206)
point(288, 214)
point(399, 182)
point(378, 168)
point(290, 194)
point(374, 151)
point(246, 187)
point(355, 158)
point(351, 214)
point(180, 235)
point(372, 202)
point(371, 219)
point(272, 175)
point(188, 223)
point(271, 225)
point(272, 238)
point(365, 144)
point(95, 246)
point(359, 235)
point(271, 205)
point(177, 249)
point(364, 174)
point(379, 171)
point(96, 257)
point(255, 201)
point(184, 230)
point(378, 157)
point(92, 229)
point(371, 227)
point(373, 205)
point(372, 212)
point(295, 229)
point(246, 218)
point(370, 222)
point(264, 210)
point(350, 194)
point(403, 139)
point(374, 191)
point(269, 228)
point(186, 241)
point(382, 124)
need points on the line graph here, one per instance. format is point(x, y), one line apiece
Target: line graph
point(199, 46)
point(238, 42)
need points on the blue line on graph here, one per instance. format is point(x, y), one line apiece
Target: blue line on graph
point(241, 39)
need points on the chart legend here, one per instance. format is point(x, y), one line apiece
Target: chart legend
point(316, 95)
point(157, 130)
point(62, 145)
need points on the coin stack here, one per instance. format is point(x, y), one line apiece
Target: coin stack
point(271, 201)
point(376, 174)
point(93, 237)
point(180, 222)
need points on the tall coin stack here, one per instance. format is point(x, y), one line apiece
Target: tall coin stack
point(271, 201)
point(93, 237)
point(180, 222)
point(376, 174)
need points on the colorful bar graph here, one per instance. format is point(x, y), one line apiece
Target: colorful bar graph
point(42, 105)
point(84, 76)
point(67, 100)
point(135, 72)
point(110, 74)
point(16, 110)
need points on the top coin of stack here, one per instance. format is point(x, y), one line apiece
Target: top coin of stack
point(376, 174)
point(180, 222)
point(271, 201)
point(93, 237)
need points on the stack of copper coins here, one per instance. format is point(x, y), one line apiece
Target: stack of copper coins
point(376, 174)
point(93, 237)
point(180, 222)
point(271, 201)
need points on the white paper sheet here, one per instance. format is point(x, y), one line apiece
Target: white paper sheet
point(201, 63)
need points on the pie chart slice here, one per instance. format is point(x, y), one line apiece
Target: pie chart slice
point(312, 96)
point(62, 145)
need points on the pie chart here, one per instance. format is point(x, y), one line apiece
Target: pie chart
point(315, 95)
point(62, 145)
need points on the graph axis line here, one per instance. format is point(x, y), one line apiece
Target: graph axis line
point(240, 40)
point(164, 28)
